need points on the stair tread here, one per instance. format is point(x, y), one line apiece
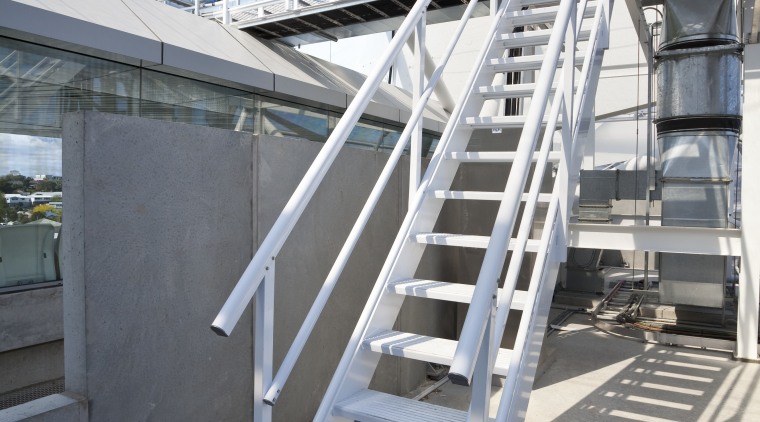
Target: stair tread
point(369, 405)
point(543, 14)
point(498, 121)
point(534, 38)
point(524, 63)
point(452, 292)
point(481, 195)
point(425, 348)
point(493, 156)
point(508, 91)
point(467, 241)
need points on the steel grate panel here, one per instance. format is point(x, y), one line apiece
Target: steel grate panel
point(32, 392)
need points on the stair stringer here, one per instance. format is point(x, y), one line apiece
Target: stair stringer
point(383, 307)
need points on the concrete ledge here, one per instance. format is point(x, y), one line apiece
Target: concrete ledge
point(64, 407)
point(31, 317)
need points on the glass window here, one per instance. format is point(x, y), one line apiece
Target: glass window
point(176, 99)
point(284, 118)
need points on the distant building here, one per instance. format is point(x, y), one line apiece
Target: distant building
point(18, 201)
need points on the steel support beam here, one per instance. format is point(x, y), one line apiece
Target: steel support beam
point(749, 277)
point(689, 240)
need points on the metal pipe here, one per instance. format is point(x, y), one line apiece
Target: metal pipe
point(463, 363)
point(353, 237)
point(243, 292)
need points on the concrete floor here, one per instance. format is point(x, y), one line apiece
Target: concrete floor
point(594, 376)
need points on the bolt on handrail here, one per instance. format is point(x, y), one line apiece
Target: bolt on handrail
point(473, 330)
point(243, 292)
point(551, 224)
point(348, 247)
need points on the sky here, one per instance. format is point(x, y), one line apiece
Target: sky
point(30, 155)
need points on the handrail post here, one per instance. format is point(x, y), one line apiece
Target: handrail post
point(480, 403)
point(262, 346)
point(568, 124)
point(418, 84)
point(225, 12)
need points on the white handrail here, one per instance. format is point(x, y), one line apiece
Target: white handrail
point(550, 228)
point(448, 133)
point(348, 247)
point(243, 292)
point(463, 364)
point(526, 223)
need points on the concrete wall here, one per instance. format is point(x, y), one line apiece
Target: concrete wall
point(158, 227)
point(31, 333)
point(65, 407)
point(162, 219)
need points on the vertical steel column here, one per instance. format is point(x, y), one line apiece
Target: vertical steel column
point(197, 7)
point(568, 126)
point(262, 347)
point(418, 84)
point(226, 12)
point(749, 278)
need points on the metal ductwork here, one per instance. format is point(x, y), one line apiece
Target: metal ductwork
point(698, 68)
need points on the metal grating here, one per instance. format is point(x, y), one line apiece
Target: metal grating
point(327, 19)
point(32, 392)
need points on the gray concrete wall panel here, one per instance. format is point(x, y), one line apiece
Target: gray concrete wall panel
point(31, 317)
point(164, 232)
point(166, 217)
point(31, 365)
point(65, 407)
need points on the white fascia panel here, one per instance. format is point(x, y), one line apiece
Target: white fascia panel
point(319, 94)
point(194, 33)
point(219, 68)
point(49, 25)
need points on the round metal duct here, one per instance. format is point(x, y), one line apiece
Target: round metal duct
point(698, 23)
point(699, 88)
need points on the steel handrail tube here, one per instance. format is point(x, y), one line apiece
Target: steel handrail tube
point(510, 280)
point(513, 270)
point(364, 318)
point(473, 330)
point(356, 231)
point(244, 290)
point(548, 233)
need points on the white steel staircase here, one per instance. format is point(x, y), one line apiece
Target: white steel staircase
point(576, 40)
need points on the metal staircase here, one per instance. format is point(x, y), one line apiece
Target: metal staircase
point(577, 38)
point(348, 396)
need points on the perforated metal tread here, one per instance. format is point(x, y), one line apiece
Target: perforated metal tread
point(452, 292)
point(494, 156)
point(533, 38)
point(492, 122)
point(467, 241)
point(374, 406)
point(524, 63)
point(425, 348)
point(481, 195)
point(541, 15)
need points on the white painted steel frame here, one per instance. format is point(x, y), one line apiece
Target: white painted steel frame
point(243, 292)
point(473, 330)
point(526, 353)
point(332, 278)
point(263, 345)
point(749, 277)
point(690, 240)
point(382, 309)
